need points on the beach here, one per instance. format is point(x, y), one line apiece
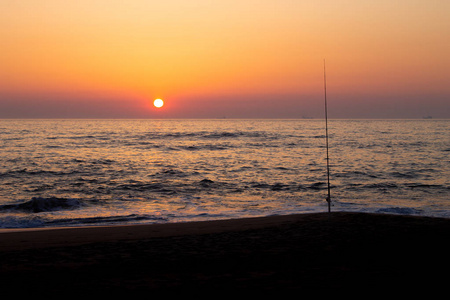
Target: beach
point(321, 251)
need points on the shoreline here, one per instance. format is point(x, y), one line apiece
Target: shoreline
point(331, 252)
point(43, 237)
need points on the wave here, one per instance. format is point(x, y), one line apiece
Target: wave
point(108, 220)
point(143, 187)
point(21, 222)
point(207, 135)
point(34, 221)
point(38, 204)
point(382, 185)
point(400, 210)
point(219, 135)
point(25, 171)
point(425, 186)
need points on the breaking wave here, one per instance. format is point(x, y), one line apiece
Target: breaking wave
point(400, 210)
point(37, 204)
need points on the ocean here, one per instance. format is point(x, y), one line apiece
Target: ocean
point(57, 173)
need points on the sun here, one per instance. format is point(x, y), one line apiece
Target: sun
point(158, 103)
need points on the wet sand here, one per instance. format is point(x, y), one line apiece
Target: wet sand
point(344, 252)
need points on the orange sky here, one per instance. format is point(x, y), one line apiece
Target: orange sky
point(212, 59)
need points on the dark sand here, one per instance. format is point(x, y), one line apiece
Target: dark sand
point(344, 252)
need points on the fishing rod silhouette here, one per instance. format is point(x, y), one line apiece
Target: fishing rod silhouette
point(326, 135)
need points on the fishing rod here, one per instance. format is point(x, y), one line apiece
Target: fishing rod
point(326, 136)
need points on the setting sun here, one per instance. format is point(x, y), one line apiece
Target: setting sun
point(158, 103)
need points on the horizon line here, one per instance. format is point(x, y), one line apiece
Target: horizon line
point(223, 118)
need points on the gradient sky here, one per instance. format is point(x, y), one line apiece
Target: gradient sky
point(234, 58)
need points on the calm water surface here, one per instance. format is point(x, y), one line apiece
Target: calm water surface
point(90, 172)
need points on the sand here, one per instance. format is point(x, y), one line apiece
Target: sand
point(321, 252)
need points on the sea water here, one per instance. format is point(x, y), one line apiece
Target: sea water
point(101, 172)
